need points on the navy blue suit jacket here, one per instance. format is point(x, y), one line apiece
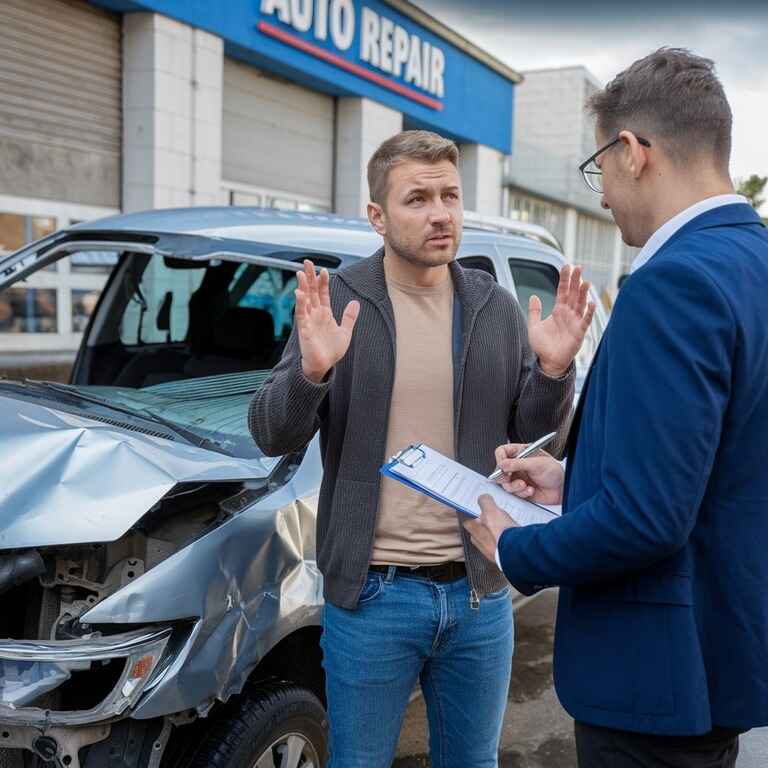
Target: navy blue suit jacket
point(662, 550)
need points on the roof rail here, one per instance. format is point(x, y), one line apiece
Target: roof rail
point(536, 232)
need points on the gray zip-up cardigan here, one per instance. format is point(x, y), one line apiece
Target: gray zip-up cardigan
point(501, 395)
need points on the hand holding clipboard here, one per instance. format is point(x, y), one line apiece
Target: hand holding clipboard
point(451, 483)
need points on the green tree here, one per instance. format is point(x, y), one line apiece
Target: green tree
point(752, 188)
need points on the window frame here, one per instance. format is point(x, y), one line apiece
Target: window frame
point(477, 256)
point(264, 197)
point(530, 264)
point(62, 279)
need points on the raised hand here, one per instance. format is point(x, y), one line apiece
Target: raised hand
point(323, 341)
point(557, 339)
point(538, 477)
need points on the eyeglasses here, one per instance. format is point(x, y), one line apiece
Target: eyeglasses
point(591, 171)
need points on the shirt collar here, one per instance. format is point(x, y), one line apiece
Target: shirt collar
point(666, 230)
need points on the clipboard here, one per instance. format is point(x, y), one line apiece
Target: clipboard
point(429, 472)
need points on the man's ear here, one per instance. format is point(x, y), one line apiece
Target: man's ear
point(377, 218)
point(635, 155)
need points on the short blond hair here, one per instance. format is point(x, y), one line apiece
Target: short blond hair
point(423, 146)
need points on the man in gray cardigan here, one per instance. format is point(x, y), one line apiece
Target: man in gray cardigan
point(423, 351)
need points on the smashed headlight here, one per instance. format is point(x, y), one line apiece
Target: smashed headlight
point(31, 669)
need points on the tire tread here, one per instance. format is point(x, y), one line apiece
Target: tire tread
point(249, 717)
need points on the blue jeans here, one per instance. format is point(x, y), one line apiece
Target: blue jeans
point(407, 629)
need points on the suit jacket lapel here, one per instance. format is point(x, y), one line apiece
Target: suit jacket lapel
point(573, 432)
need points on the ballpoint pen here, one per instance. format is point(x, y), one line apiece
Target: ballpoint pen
point(540, 443)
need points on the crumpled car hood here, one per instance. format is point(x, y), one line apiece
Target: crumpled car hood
point(67, 479)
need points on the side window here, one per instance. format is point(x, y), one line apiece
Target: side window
point(269, 289)
point(479, 262)
point(541, 279)
point(158, 307)
point(532, 278)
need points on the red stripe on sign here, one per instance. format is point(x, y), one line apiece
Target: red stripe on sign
point(355, 69)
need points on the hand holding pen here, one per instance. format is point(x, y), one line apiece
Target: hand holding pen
point(539, 477)
point(527, 451)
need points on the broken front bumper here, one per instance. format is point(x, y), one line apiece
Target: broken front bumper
point(31, 668)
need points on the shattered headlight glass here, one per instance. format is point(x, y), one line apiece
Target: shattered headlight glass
point(32, 669)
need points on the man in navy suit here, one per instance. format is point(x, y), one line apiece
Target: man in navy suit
point(661, 649)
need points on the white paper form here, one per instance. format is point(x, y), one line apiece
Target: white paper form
point(459, 487)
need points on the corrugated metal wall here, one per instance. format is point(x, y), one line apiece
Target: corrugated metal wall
point(276, 134)
point(60, 101)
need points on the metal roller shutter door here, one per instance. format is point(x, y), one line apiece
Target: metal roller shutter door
point(277, 135)
point(60, 101)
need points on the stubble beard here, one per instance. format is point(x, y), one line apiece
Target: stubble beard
point(418, 257)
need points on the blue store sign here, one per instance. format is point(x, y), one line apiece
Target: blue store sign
point(360, 48)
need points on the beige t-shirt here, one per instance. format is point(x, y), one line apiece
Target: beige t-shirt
point(412, 529)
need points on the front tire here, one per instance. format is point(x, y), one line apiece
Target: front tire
point(276, 725)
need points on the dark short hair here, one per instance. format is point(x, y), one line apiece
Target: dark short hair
point(676, 98)
point(423, 146)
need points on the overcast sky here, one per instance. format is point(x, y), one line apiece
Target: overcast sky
point(606, 37)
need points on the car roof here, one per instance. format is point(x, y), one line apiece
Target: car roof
point(290, 229)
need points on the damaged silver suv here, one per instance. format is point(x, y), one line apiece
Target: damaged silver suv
point(159, 597)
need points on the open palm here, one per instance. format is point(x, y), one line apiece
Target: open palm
point(557, 339)
point(323, 341)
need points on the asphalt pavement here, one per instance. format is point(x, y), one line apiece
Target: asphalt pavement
point(753, 749)
point(537, 732)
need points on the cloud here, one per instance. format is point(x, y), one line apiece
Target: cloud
point(606, 40)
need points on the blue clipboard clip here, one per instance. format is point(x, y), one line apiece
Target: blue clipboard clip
point(411, 456)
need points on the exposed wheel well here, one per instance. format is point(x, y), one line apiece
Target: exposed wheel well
point(297, 658)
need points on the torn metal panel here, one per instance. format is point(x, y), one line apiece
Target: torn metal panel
point(68, 479)
point(249, 582)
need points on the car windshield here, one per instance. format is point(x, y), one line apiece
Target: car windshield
point(213, 407)
point(188, 342)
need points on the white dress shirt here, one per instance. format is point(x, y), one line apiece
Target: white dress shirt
point(666, 230)
point(663, 233)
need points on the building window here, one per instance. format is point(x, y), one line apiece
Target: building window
point(595, 243)
point(41, 226)
point(43, 316)
point(83, 304)
point(12, 231)
point(262, 198)
point(245, 198)
point(28, 310)
point(536, 211)
point(16, 230)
